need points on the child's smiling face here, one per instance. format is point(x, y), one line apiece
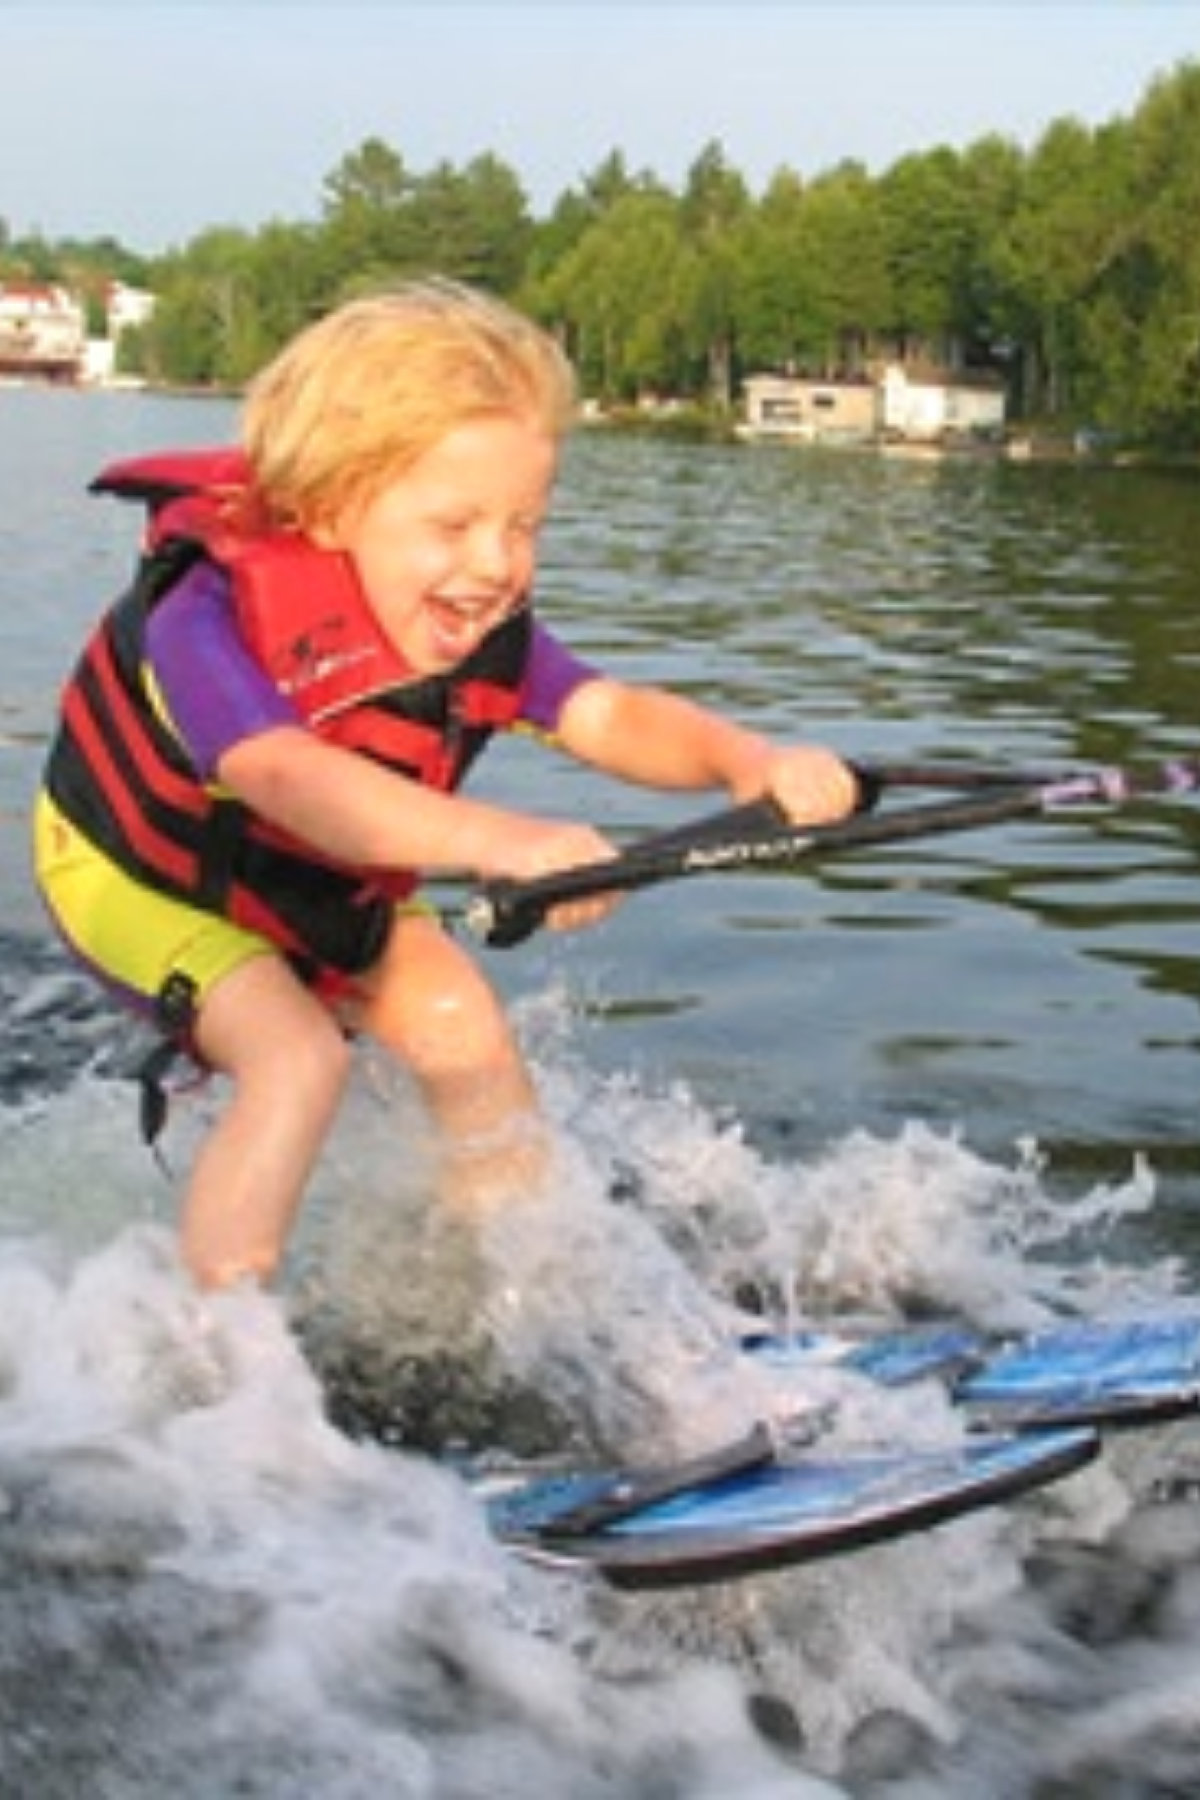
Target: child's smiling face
point(449, 547)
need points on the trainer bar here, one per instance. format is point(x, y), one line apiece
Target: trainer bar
point(504, 913)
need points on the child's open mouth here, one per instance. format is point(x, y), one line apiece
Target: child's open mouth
point(457, 624)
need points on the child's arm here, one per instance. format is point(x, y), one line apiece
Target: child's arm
point(660, 739)
point(358, 812)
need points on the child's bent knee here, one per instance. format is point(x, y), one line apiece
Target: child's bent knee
point(436, 1011)
point(459, 1031)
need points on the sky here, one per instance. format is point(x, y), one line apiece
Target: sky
point(151, 120)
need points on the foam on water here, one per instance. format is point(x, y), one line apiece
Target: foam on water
point(211, 1588)
point(207, 1586)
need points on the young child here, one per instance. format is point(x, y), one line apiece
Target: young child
point(261, 748)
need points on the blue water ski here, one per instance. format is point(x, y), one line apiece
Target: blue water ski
point(1106, 1372)
point(1035, 1405)
point(688, 1528)
point(893, 1356)
point(1103, 1372)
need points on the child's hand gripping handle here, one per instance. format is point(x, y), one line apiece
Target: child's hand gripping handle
point(504, 912)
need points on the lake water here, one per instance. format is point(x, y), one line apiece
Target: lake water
point(954, 1076)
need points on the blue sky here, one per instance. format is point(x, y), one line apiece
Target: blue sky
point(149, 120)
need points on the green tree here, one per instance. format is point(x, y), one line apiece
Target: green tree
point(287, 280)
point(367, 216)
point(1057, 242)
point(472, 224)
point(849, 285)
point(572, 216)
point(992, 173)
point(204, 329)
point(711, 213)
point(814, 286)
point(926, 208)
point(616, 297)
point(1146, 342)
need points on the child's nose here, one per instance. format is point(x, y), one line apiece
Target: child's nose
point(491, 556)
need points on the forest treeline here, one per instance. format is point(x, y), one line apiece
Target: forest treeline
point(1071, 266)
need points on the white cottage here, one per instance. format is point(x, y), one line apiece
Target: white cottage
point(926, 406)
point(901, 405)
point(125, 309)
point(42, 331)
point(797, 407)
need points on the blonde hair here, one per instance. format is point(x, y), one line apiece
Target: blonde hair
point(358, 397)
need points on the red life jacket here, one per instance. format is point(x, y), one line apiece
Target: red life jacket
point(121, 775)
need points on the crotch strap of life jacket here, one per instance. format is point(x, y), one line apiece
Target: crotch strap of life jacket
point(175, 1015)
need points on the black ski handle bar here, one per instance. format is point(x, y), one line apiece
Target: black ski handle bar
point(757, 835)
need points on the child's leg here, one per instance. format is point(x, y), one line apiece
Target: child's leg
point(288, 1062)
point(254, 1021)
point(433, 1008)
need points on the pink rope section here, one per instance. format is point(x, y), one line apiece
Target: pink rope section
point(1113, 787)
